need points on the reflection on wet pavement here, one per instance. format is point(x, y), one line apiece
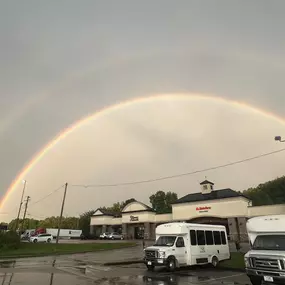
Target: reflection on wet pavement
point(65, 270)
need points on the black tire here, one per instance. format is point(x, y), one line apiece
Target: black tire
point(48, 240)
point(255, 280)
point(215, 262)
point(171, 264)
point(35, 241)
point(150, 267)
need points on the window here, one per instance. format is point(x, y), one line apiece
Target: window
point(193, 237)
point(224, 240)
point(180, 242)
point(269, 242)
point(209, 237)
point(217, 237)
point(205, 187)
point(201, 237)
point(165, 241)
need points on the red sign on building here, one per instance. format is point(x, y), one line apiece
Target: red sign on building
point(203, 209)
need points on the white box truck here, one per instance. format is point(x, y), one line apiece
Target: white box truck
point(65, 233)
point(183, 244)
point(266, 259)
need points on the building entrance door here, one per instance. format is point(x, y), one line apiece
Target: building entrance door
point(139, 232)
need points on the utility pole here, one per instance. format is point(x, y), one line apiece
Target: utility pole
point(26, 207)
point(61, 213)
point(20, 207)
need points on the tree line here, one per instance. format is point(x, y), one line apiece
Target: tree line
point(269, 193)
point(160, 201)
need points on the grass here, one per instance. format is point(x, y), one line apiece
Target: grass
point(236, 261)
point(44, 249)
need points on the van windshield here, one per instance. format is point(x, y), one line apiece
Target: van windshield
point(269, 242)
point(165, 241)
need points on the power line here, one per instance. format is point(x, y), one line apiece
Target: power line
point(182, 174)
point(45, 197)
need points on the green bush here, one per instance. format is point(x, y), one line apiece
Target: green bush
point(9, 240)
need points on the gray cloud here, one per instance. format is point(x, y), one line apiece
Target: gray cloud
point(62, 61)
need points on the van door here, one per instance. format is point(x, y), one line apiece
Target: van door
point(181, 251)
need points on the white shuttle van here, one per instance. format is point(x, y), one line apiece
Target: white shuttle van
point(183, 244)
point(266, 259)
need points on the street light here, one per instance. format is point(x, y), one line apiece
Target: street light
point(279, 139)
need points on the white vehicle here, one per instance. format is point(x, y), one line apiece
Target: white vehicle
point(41, 238)
point(266, 259)
point(104, 235)
point(114, 236)
point(183, 244)
point(65, 233)
point(27, 233)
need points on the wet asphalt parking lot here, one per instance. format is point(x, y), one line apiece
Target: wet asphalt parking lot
point(75, 271)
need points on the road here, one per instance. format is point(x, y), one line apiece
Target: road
point(66, 270)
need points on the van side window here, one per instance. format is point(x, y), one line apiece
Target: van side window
point(193, 237)
point(180, 242)
point(201, 237)
point(217, 237)
point(209, 237)
point(224, 241)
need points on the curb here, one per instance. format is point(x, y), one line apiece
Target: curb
point(127, 262)
point(231, 269)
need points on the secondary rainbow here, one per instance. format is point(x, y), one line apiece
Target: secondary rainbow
point(107, 110)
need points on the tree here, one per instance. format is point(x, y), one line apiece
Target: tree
point(27, 224)
point(268, 193)
point(118, 206)
point(161, 202)
point(84, 222)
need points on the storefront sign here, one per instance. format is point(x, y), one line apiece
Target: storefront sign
point(134, 219)
point(203, 209)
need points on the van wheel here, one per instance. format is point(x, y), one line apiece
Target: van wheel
point(35, 240)
point(171, 265)
point(49, 240)
point(255, 280)
point(215, 261)
point(150, 267)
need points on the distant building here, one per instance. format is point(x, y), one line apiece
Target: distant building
point(222, 207)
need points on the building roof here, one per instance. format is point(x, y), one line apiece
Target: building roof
point(108, 213)
point(214, 195)
point(206, 182)
point(147, 208)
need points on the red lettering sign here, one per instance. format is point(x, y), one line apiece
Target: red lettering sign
point(205, 208)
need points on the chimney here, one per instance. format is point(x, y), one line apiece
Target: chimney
point(207, 187)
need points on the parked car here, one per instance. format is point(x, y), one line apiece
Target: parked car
point(41, 238)
point(88, 236)
point(104, 235)
point(115, 236)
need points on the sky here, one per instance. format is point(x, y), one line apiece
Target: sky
point(62, 61)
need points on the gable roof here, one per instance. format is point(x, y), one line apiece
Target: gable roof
point(108, 213)
point(214, 195)
point(146, 207)
point(206, 182)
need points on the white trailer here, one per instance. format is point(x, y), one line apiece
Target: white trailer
point(266, 259)
point(65, 233)
point(183, 244)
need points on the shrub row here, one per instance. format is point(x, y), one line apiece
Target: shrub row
point(9, 240)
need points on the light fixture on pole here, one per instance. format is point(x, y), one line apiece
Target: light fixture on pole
point(279, 139)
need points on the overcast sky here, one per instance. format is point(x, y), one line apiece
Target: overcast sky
point(63, 60)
